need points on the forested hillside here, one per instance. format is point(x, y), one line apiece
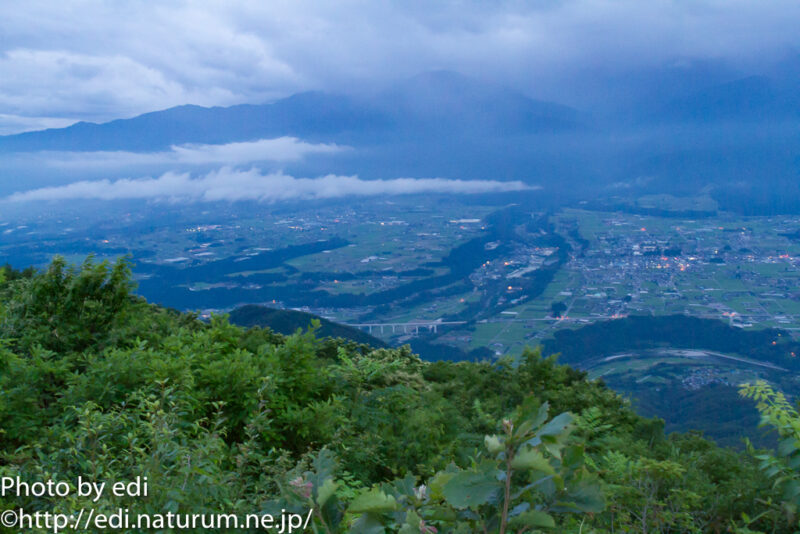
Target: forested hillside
point(658, 390)
point(288, 321)
point(96, 382)
point(638, 332)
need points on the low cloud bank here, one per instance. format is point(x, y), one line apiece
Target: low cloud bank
point(281, 149)
point(230, 185)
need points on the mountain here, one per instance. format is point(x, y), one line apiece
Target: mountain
point(438, 124)
point(424, 105)
point(444, 100)
point(306, 115)
point(700, 126)
point(287, 322)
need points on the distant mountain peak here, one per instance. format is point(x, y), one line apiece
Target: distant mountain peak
point(442, 99)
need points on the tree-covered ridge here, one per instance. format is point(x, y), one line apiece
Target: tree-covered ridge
point(96, 382)
point(638, 332)
point(288, 321)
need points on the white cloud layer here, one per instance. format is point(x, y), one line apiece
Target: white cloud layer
point(281, 149)
point(227, 184)
point(97, 60)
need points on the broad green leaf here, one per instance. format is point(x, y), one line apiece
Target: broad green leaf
point(541, 415)
point(403, 486)
point(367, 524)
point(573, 457)
point(791, 489)
point(373, 501)
point(544, 484)
point(469, 489)
point(794, 462)
point(532, 519)
point(787, 446)
point(493, 444)
point(325, 492)
point(584, 497)
point(324, 466)
point(532, 459)
point(556, 425)
point(518, 509)
point(553, 448)
point(437, 483)
point(529, 421)
point(412, 520)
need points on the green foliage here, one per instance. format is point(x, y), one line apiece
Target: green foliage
point(95, 382)
point(526, 477)
point(783, 466)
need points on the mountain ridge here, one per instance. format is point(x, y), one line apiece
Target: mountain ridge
point(313, 116)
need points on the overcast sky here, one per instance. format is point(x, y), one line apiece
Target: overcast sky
point(62, 61)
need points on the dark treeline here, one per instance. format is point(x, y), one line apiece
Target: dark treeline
point(638, 332)
point(433, 352)
point(218, 269)
point(717, 409)
point(287, 322)
point(629, 207)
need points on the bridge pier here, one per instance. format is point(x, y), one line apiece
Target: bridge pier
point(432, 326)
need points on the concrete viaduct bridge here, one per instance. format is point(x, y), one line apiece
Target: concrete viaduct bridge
point(412, 327)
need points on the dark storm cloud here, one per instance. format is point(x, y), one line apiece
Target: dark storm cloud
point(97, 60)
